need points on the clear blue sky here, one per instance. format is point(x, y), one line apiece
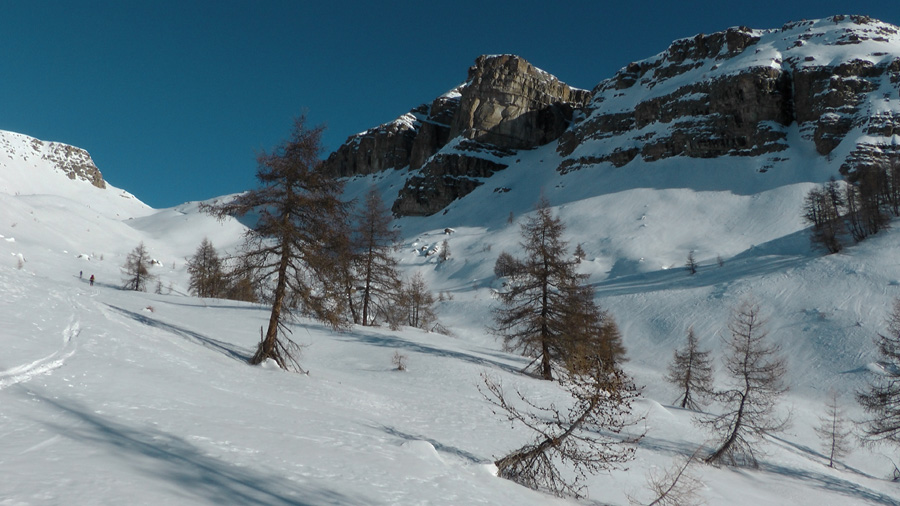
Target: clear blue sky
point(173, 99)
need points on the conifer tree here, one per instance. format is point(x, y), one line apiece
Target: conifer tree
point(137, 269)
point(291, 245)
point(881, 399)
point(375, 242)
point(205, 269)
point(592, 336)
point(757, 372)
point(691, 264)
point(546, 311)
point(691, 371)
point(833, 431)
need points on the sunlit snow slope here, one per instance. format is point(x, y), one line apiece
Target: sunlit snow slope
point(116, 397)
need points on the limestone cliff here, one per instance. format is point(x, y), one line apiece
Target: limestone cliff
point(505, 104)
point(832, 85)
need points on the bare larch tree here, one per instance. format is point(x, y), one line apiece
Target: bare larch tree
point(374, 244)
point(833, 430)
point(691, 371)
point(586, 438)
point(757, 373)
point(289, 247)
point(137, 269)
point(881, 399)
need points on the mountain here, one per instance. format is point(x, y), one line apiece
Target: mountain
point(818, 92)
point(109, 396)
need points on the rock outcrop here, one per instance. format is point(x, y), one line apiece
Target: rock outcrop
point(509, 103)
point(735, 93)
point(505, 104)
point(74, 163)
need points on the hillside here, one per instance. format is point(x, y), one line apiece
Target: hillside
point(110, 397)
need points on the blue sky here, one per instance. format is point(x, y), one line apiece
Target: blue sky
point(174, 99)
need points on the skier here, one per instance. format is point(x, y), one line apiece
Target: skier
point(92, 280)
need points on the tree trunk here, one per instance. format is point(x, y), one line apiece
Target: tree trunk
point(268, 347)
point(738, 423)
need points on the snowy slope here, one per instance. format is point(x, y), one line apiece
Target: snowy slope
point(113, 397)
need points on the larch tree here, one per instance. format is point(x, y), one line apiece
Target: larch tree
point(587, 438)
point(137, 269)
point(289, 246)
point(691, 371)
point(757, 373)
point(823, 209)
point(881, 398)
point(414, 305)
point(691, 264)
point(546, 311)
point(533, 302)
point(833, 430)
point(591, 335)
point(374, 244)
point(206, 271)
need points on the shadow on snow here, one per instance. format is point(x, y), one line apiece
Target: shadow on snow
point(226, 349)
point(397, 342)
point(181, 464)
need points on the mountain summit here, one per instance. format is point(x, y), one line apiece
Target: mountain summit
point(822, 91)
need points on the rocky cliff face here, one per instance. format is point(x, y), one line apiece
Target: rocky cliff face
point(74, 163)
point(736, 93)
point(505, 104)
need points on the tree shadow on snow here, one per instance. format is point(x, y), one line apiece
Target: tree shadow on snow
point(178, 463)
point(226, 349)
point(831, 483)
point(776, 256)
point(452, 450)
point(396, 342)
point(219, 304)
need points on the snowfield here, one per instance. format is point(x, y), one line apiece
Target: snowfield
point(116, 397)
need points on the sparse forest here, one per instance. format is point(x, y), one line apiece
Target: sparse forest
point(861, 205)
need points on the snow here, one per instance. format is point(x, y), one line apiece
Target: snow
point(116, 397)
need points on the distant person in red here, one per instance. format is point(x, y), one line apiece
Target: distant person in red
point(92, 280)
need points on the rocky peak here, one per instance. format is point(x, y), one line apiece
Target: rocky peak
point(832, 83)
point(509, 103)
point(506, 103)
point(75, 163)
point(735, 93)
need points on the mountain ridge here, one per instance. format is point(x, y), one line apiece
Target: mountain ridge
point(734, 93)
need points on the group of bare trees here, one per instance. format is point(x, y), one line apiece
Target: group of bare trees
point(755, 380)
point(309, 253)
point(755, 373)
point(212, 276)
point(881, 399)
point(861, 205)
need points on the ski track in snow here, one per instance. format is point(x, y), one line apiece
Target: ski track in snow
point(45, 365)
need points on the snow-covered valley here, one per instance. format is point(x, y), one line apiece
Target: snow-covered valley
point(110, 396)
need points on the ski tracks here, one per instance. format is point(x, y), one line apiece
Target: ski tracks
point(25, 372)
